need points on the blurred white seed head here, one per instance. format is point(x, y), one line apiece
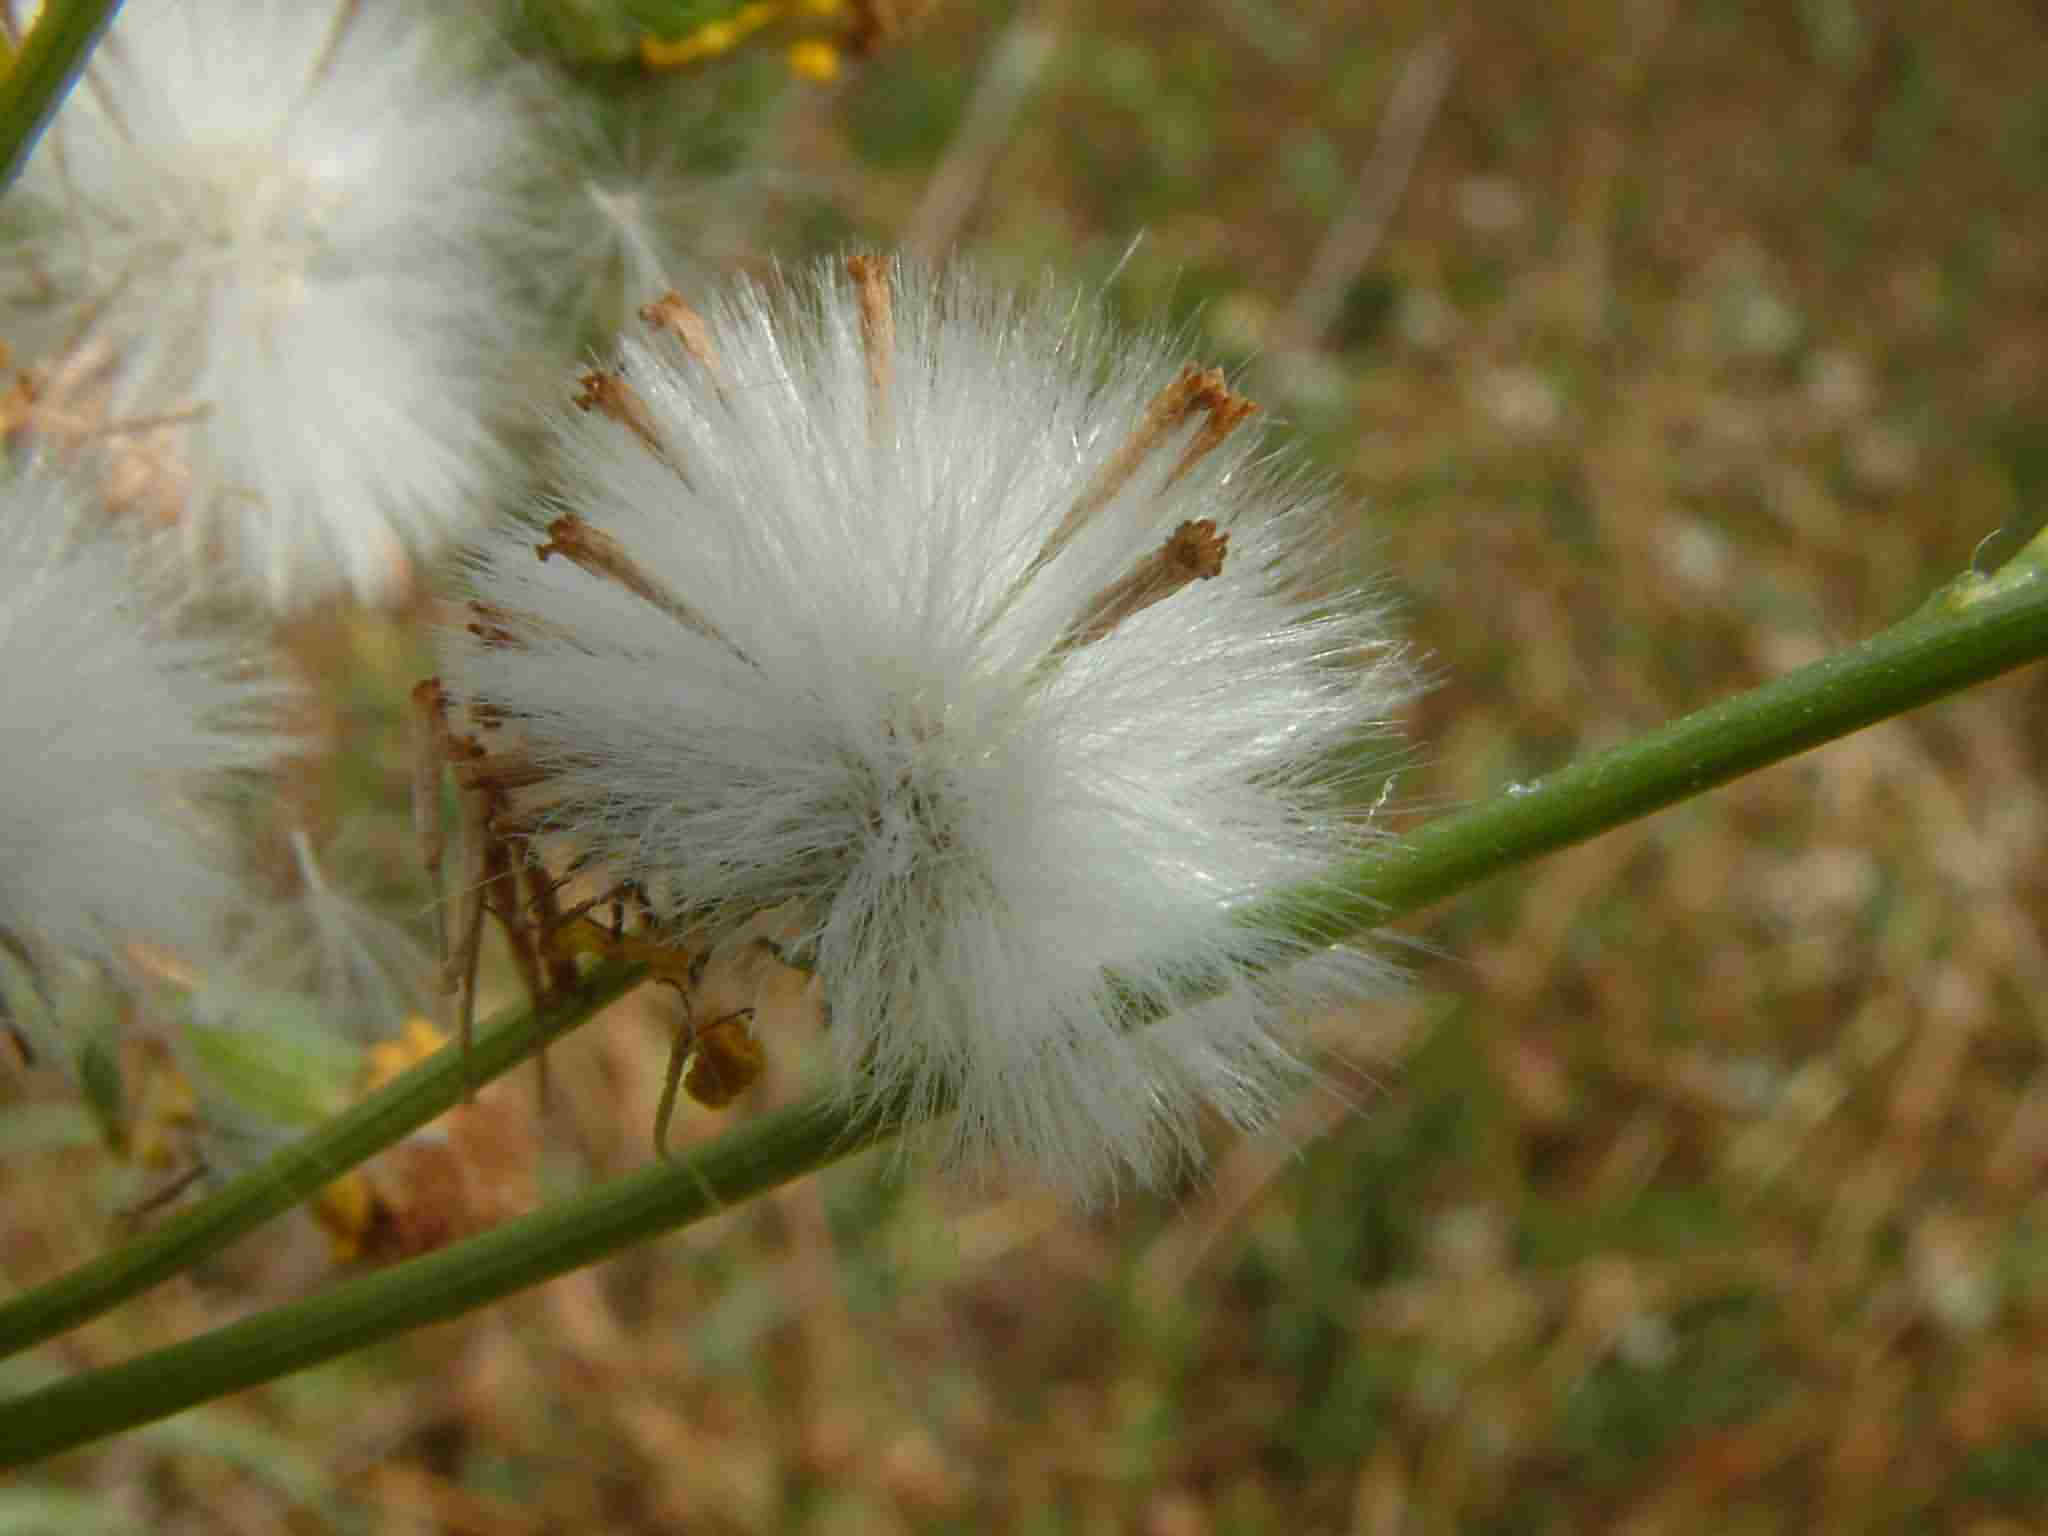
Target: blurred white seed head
point(281, 230)
point(895, 604)
point(123, 724)
point(362, 973)
point(633, 254)
point(655, 195)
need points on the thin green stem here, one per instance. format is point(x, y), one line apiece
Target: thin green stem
point(1974, 630)
point(302, 1168)
point(50, 61)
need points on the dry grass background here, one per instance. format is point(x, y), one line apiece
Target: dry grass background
point(1698, 1186)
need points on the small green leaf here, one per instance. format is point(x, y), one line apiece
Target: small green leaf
point(278, 1059)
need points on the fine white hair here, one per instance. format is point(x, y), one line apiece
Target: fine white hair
point(1020, 860)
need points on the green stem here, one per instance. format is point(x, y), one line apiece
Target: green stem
point(50, 60)
point(1974, 630)
point(658, 1198)
point(1969, 632)
point(302, 1168)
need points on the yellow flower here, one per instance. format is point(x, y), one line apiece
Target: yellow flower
point(709, 40)
point(706, 42)
point(815, 59)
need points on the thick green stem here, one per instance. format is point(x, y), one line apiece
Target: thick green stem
point(1974, 630)
point(50, 60)
point(304, 1167)
point(662, 1196)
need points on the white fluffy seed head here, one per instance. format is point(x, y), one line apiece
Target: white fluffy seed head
point(809, 651)
point(120, 724)
point(287, 226)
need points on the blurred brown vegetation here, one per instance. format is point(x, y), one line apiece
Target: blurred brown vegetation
point(1699, 1184)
